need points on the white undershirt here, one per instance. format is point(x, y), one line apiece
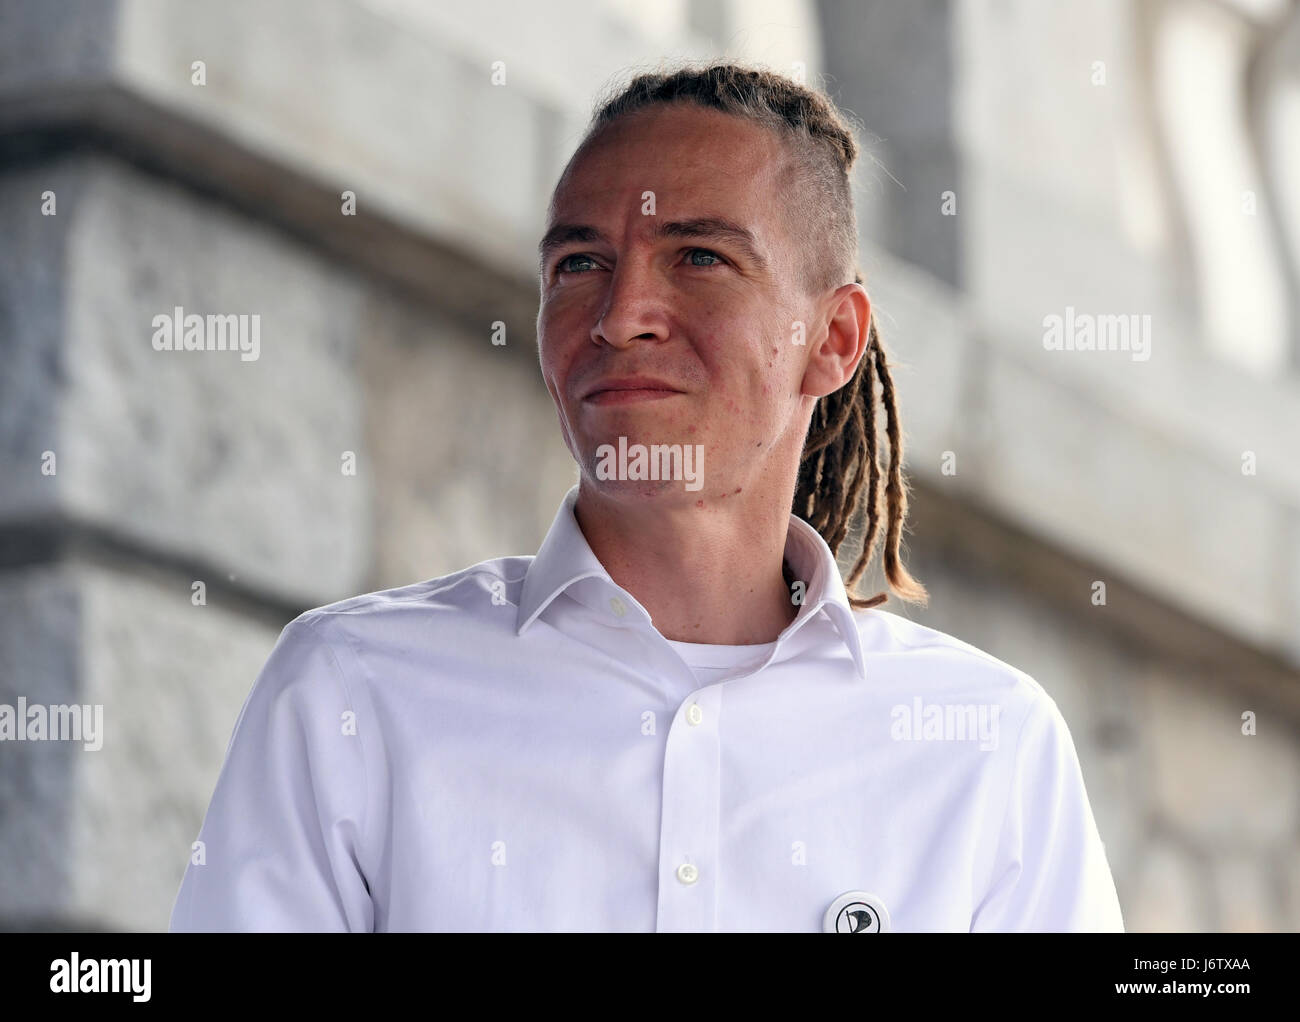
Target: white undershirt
point(709, 662)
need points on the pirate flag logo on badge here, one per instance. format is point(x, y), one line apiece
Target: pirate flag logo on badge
point(856, 912)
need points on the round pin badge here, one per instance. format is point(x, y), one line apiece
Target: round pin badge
point(856, 912)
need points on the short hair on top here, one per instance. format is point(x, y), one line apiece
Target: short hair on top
point(840, 453)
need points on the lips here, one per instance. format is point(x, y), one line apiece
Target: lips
point(627, 397)
point(644, 384)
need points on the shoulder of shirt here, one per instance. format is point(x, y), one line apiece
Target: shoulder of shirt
point(952, 661)
point(452, 614)
point(448, 599)
point(347, 631)
point(951, 669)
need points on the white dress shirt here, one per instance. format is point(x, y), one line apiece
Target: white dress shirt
point(515, 747)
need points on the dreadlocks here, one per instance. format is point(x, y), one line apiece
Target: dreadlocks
point(842, 443)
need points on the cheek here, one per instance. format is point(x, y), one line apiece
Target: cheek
point(557, 341)
point(784, 354)
point(747, 365)
point(774, 356)
point(776, 383)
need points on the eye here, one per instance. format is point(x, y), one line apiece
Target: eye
point(559, 266)
point(562, 265)
point(692, 252)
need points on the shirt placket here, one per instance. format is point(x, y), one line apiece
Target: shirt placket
point(688, 838)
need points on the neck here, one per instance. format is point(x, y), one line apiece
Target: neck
point(708, 574)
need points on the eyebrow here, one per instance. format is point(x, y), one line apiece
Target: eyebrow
point(708, 228)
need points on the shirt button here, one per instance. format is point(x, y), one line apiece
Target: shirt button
point(694, 714)
point(617, 606)
point(687, 873)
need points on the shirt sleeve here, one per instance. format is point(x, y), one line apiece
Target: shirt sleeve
point(1050, 871)
point(279, 845)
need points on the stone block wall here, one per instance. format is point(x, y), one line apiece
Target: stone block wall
point(177, 468)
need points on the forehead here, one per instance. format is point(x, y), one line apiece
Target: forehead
point(688, 156)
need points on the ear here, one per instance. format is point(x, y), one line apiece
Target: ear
point(840, 341)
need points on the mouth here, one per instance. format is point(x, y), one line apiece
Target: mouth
point(629, 389)
point(629, 395)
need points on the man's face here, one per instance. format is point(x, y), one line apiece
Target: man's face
point(641, 294)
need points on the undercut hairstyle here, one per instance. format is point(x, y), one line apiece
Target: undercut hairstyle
point(840, 454)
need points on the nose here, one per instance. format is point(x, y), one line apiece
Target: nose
point(635, 307)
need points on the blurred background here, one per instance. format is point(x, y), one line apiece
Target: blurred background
point(1126, 530)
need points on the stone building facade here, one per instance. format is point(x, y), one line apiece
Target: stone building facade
point(164, 513)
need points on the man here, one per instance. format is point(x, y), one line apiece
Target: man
point(675, 716)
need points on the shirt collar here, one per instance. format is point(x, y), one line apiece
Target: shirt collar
point(565, 558)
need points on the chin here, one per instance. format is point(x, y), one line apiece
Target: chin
point(641, 490)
